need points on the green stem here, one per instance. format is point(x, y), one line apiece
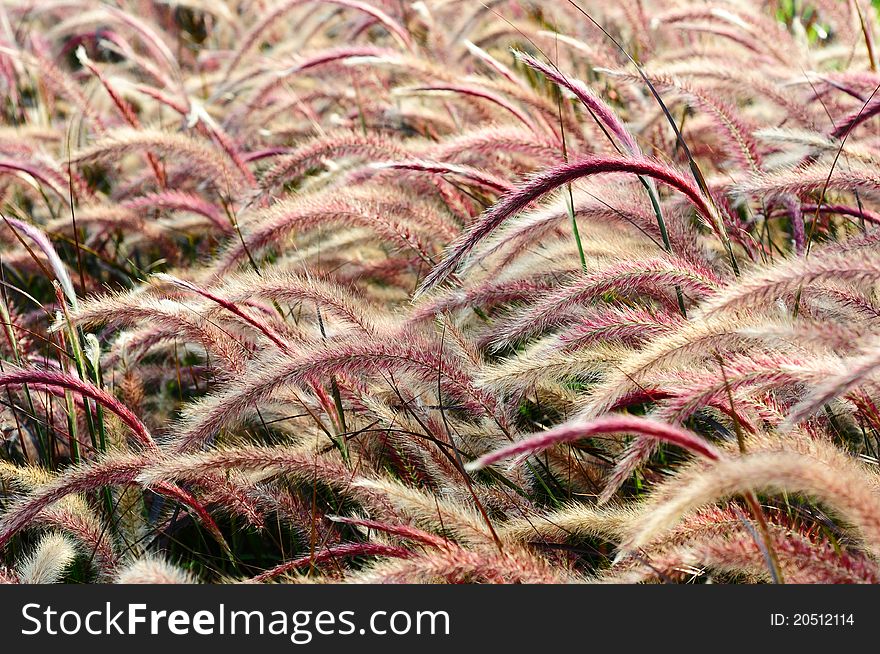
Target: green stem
point(664, 235)
point(569, 203)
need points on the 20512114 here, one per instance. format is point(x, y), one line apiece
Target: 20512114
point(812, 620)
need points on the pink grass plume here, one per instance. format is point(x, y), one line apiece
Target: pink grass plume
point(549, 180)
point(333, 552)
point(575, 431)
point(42, 241)
point(58, 380)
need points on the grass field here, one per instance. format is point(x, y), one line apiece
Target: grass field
point(439, 291)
